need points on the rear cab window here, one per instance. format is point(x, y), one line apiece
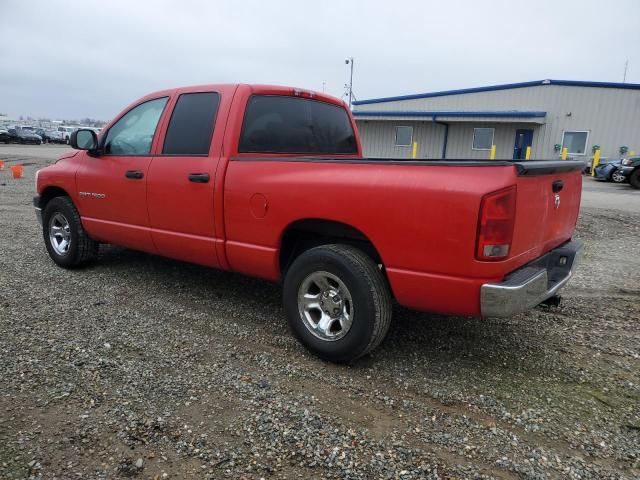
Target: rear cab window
point(293, 125)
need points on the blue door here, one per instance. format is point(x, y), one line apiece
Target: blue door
point(524, 139)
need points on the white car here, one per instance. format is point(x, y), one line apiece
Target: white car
point(66, 133)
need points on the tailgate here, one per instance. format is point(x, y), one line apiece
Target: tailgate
point(548, 203)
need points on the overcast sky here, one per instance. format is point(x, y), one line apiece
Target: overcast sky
point(72, 59)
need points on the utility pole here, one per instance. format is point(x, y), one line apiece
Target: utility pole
point(349, 61)
point(624, 77)
point(323, 86)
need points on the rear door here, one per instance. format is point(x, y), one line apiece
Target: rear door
point(112, 187)
point(182, 179)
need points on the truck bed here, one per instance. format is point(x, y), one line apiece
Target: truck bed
point(423, 222)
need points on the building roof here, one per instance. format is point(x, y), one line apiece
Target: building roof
point(477, 113)
point(506, 86)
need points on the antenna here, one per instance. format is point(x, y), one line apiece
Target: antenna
point(349, 61)
point(624, 77)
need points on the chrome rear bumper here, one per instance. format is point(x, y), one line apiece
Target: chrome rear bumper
point(532, 284)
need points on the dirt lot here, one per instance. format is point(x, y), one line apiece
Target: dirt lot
point(142, 366)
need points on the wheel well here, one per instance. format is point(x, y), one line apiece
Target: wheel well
point(305, 234)
point(50, 193)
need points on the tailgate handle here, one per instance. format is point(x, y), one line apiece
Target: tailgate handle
point(557, 186)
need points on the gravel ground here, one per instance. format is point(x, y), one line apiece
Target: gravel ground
point(143, 366)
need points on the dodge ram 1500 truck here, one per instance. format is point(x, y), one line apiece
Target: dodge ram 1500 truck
point(270, 182)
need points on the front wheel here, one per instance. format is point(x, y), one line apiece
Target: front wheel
point(337, 302)
point(67, 243)
point(618, 177)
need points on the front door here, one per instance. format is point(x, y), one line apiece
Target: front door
point(524, 139)
point(182, 179)
point(112, 186)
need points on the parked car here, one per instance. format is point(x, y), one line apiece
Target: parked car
point(610, 172)
point(41, 132)
point(630, 168)
point(602, 161)
point(54, 136)
point(24, 136)
point(290, 198)
point(4, 135)
point(66, 133)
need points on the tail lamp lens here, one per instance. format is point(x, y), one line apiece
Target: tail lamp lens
point(495, 225)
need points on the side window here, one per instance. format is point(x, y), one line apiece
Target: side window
point(482, 138)
point(279, 124)
point(133, 133)
point(575, 142)
point(191, 125)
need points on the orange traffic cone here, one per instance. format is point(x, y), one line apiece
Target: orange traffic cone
point(17, 171)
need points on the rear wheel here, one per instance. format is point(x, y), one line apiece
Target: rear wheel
point(634, 179)
point(68, 244)
point(337, 302)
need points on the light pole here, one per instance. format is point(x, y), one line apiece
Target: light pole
point(349, 61)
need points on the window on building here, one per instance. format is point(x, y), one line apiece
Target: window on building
point(278, 124)
point(191, 124)
point(482, 138)
point(404, 136)
point(575, 142)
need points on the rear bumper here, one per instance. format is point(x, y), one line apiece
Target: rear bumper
point(532, 284)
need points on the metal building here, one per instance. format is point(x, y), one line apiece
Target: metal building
point(547, 115)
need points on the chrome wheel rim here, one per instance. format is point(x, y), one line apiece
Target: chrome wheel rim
point(617, 177)
point(59, 233)
point(325, 306)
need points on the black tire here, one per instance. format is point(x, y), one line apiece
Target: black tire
point(634, 178)
point(370, 301)
point(617, 177)
point(81, 249)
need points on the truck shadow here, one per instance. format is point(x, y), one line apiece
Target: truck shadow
point(414, 337)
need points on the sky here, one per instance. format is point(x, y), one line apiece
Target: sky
point(75, 59)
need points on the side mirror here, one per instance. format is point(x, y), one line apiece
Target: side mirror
point(84, 139)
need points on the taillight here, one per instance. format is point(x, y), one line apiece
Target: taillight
point(495, 225)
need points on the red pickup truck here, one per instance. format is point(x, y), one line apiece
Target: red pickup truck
point(270, 182)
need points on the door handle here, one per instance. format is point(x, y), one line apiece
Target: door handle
point(135, 174)
point(199, 177)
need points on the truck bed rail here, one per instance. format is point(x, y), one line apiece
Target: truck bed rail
point(523, 167)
